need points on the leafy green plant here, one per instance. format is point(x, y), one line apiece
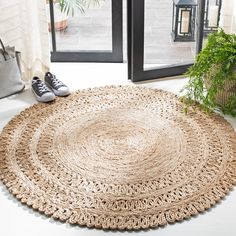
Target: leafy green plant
point(70, 6)
point(215, 65)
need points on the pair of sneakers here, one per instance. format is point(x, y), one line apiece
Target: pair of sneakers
point(45, 91)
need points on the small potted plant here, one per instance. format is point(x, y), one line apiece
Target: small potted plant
point(60, 17)
point(212, 78)
point(64, 8)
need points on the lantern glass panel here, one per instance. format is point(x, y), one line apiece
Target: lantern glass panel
point(185, 16)
point(213, 11)
point(212, 15)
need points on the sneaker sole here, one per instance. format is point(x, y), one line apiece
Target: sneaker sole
point(56, 91)
point(40, 99)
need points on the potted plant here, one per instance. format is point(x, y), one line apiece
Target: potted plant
point(60, 18)
point(64, 8)
point(212, 78)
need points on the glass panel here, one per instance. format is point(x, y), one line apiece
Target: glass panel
point(91, 30)
point(212, 15)
point(161, 48)
point(185, 21)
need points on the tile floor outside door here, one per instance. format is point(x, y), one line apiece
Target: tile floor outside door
point(92, 31)
point(18, 220)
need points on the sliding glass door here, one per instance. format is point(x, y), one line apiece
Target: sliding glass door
point(164, 36)
point(91, 34)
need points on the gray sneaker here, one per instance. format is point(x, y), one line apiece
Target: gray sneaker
point(59, 88)
point(41, 91)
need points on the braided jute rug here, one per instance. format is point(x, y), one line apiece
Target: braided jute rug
point(118, 157)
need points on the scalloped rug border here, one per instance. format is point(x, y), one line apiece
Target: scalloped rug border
point(204, 202)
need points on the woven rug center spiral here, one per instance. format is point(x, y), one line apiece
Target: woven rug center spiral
point(119, 157)
point(118, 146)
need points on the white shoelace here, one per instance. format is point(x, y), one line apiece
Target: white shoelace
point(57, 82)
point(42, 87)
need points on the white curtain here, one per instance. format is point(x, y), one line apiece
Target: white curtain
point(23, 24)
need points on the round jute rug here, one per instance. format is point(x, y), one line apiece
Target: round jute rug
point(118, 157)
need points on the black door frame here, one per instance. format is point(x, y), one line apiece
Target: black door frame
point(115, 55)
point(135, 42)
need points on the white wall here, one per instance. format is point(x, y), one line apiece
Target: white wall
point(9, 26)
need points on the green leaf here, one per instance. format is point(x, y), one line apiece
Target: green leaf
point(215, 64)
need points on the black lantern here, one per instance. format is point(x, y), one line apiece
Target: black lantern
point(183, 20)
point(212, 15)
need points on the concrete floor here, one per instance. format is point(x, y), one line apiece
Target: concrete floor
point(92, 31)
point(17, 219)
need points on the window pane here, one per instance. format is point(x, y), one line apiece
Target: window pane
point(91, 30)
point(160, 49)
